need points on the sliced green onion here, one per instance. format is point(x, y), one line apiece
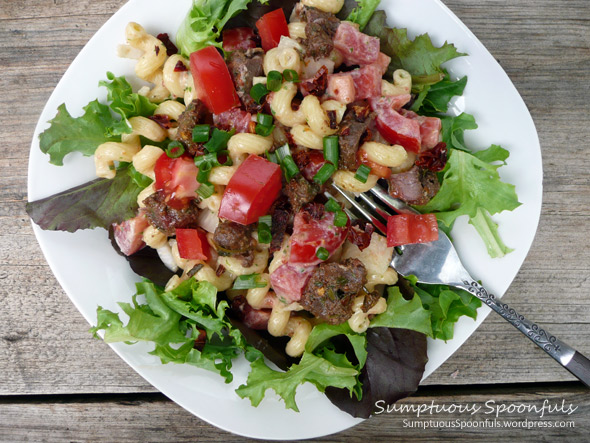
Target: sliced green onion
point(206, 190)
point(289, 167)
point(322, 253)
point(264, 225)
point(290, 75)
point(283, 152)
point(204, 171)
point(272, 157)
point(258, 92)
point(174, 149)
point(264, 131)
point(332, 205)
point(362, 173)
point(201, 133)
point(218, 140)
point(324, 173)
point(249, 281)
point(264, 119)
point(331, 149)
point(340, 219)
point(274, 80)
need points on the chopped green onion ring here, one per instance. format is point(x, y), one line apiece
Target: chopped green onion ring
point(201, 133)
point(324, 173)
point(258, 92)
point(362, 173)
point(175, 149)
point(322, 253)
point(274, 80)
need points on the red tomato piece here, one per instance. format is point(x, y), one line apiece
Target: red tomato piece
point(129, 234)
point(213, 81)
point(376, 169)
point(238, 38)
point(192, 244)
point(271, 27)
point(404, 134)
point(177, 177)
point(310, 234)
point(404, 229)
point(251, 191)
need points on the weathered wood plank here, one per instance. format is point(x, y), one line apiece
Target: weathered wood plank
point(121, 418)
point(543, 45)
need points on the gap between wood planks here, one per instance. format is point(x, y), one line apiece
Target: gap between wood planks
point(439, 391)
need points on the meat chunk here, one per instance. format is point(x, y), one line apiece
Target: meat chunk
point(288, 281)
point(243, 67)
point(300, 192)
point(129, 234)
point(353, 127)
point(355, 47)
point(416, 186)
point(196, 112)
point(234, 118)
point(167, 219)
point(253, 318)
point(233, 239)
point(281, 217)
point(332, 288)
point(430, 128)
point(320, 30)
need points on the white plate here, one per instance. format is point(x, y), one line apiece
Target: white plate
point(92, 273)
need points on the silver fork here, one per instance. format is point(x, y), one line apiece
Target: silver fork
point(438, 263)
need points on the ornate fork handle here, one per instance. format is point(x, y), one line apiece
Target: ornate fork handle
point(572, 360)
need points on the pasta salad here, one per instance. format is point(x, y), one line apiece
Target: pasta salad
point(214, 182)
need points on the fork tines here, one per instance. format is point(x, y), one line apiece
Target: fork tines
point(375, 207)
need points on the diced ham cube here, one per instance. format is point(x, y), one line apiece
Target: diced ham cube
point(289, 280)
point(356, 48)
point(235, 118)
point(129, 234)
point(341, 88)
point(395, 102)
point(430, 128)
point(382, 62)
point(367, 81)
point(396, 128)
point(253, 318)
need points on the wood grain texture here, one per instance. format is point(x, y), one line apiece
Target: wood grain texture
point(122, 420)
point(45, 348)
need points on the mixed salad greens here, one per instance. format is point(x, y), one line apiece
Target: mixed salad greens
point(386, 362)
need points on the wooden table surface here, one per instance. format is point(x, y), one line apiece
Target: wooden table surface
point(58, 383)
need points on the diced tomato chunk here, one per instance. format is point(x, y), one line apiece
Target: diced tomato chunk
point(395, 128)
point(129, 234)
point(251, 190)
point(271, 27)
point(192, 244)
point(238, 38)
point(404, 229)
point(177, 178)
point(311, 233)
point(213, 82)
point(376, 169)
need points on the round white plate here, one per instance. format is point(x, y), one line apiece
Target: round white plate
point(91, 273)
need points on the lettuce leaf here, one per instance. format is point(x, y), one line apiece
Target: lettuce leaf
point(97, 125)
point(446, 305)
point(471, 185)
point(81, 134)
point(97, 204)
point(125, 102)
point(204, 22)
point(396, 359)
point(320, 371)
point(419, 56)
point(403, 314)
point(172, 321)
point(435, 98)
point(361, 12)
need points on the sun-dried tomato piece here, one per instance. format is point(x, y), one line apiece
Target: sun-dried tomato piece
point(433, 159)
point(171, 48)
